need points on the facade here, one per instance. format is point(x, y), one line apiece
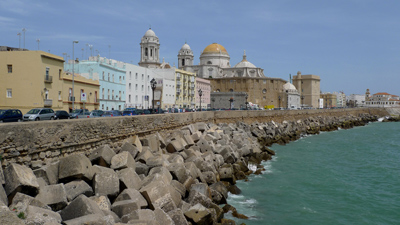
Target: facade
point(82, 85)
point(383, 99)
point(150, 50)
point(138, 88)
point(341, 99)
point(165, 93)
point(289, 98)
point(329, 100)
point(355, 100)
point(30, 79)
point(228, 100)
point(205, 87)
point(262, 91)
point(215, 63)
point(309, 89)
point(111, 75)
point(185, 89)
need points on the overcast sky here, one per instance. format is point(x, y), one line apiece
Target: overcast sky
point(351, 44)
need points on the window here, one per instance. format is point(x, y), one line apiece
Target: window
point(59, 73)
point(102, 94)
point(130, 75)
point(264, 91)
point(70, 93)
point(47, 71)
point(119, 96)
point(103, 79)
point(231, 90)
point(136, 86)
point(183, 62)
point(59, 96)
point(108, 95)
point(151, 52)
point(9, 68)
point(146, 52)
point(136, 76)
point(113, 94)
point(102, 106)
point(9, 93)
point(113, 78)
point(82, 91)
point(142, 76)
point(108, 78)
point(142, 88)
point(120, 79)
point(129, 86)
point(129, 98)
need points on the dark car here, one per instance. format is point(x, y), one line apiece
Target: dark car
point(98, 112)
point(129, 112)
point(111, 113)
point(61, 115)
point(10, 115)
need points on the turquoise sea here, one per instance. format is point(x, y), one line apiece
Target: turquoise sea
point(340, 177)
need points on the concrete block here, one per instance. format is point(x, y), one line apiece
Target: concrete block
point(3, 195)
point(129, 179)
point(178, 171)
point(2, 180)
point(201, 126)
point(37, 215)
point(220, 188)
point(128, 147)
point(102, 156)
point(152, 142)
point(156, 161)
point(196, 136)
point(134, 140)
point(102, 201)
point(8, 217)
point(142, 169)
point(122, 208)
point(209, 177)
point(76, 188)
point(134, 195)
point(178, 217)
point(80, 206)
point(54, 196)
point(157, 194)
point(162, 217)
point(91, 219)
point(175, 146)
point(161, 140)
point(217, 197)
point(122, 160)
point(175, 158)
point(110, 217)
point(198, 214)
point(226, 173)
point(144, 155)
point(164, 173)
point(203, 145)
point(139, 214)
point(21, 202)
point(75, 167)
point(106, 183)
point(200, 188)
point(179, 187)
point(206, 202)
point(20, 179)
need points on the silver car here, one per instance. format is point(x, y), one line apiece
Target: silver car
point(39, 114)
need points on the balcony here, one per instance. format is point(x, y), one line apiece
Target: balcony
point(178, 83)
point(48, 79)
point(48, 102)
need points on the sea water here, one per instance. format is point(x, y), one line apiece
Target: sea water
point(340, 177)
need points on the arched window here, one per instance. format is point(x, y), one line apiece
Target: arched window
point(209, 62)
point(151, 52)
point(231, 90)
point(264, 91)
point(183, 62)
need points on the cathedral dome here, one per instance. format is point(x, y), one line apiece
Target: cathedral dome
point(244, 63)
point(150, 33)
point(215, 48)
point(185, 47)
point(288, 87)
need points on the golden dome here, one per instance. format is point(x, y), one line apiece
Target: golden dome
point(215, 48)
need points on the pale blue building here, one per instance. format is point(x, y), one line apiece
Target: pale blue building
point(111, 76)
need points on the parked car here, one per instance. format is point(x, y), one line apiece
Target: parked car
point(92, 114)
point(39, 114)
point(98, 112)
point(129, 112)
point(77, 112)
point(111, 113)
point(61, 114)
point(10, 115)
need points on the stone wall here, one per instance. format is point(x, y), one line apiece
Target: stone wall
point(43, 140)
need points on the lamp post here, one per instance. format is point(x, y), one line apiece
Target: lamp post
point(200, 94)
point(153, 87)
point(246, 96)
point(279, 97)
point(231, 100)
point(73, 72)
point(302, 101)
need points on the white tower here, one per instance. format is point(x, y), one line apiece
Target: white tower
point(185, 56)
point(150, 50)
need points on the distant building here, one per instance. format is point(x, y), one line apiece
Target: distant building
point(355, 100)
point(150, 50)
point(30, 79)
point(340, 99)
point(383, 99)
point(329, 100)
point(309, 88)
point(111, 76)
point(205, 87)
point(290, 97)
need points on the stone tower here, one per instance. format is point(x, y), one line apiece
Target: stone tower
point(150, 50)
point(185, 56)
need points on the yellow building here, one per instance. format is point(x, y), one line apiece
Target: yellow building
point(90, 88)
point(29, 79)
point(309, 88)
point(185, 89)
point(36, 79)
point(330, 100)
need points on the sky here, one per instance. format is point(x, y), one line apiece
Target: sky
point(351, 44)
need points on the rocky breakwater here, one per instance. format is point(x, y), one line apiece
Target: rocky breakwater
point(181, 177)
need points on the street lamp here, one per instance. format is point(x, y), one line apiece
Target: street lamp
point(73, 72)
point(200, 94)
point(246, 96)
point(153, 86)
point(279, 97)
point(231, 100)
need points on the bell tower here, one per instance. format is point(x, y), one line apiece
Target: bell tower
point(150, 50)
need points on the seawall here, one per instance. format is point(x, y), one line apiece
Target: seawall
point(43, 140)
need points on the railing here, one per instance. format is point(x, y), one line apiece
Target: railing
point(48, 102)
point(48, 79)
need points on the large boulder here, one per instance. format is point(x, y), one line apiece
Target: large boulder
point(76, 188)
point(8, 217)
point(198, 214)
point(134, 195)
point(80, 206)
point(106, 182)
point(49, 173)
point(175, 146)
point(122, 160)
point(37, 215)
point(122, 208)
point(75, 167)
point(91, 219)
point(102, 156)
point(20, 179)
point(129, 178)
point(127, 147)
point(54, 196)
point(178, 217)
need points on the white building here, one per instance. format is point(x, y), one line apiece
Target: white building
point(340, 99)
point(383, 99)
point(356, 100)
point(290, 98)
point(138, 88)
